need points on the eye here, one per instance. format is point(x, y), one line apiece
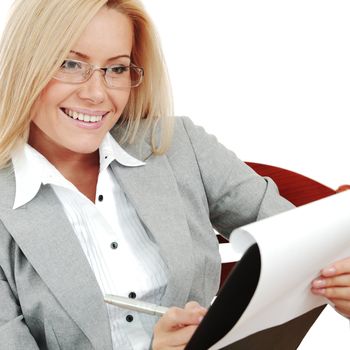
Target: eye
point(71, 65)
point(118, 70)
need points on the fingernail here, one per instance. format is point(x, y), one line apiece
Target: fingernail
point(319, 291)
point(329, 271)
point(318, 283)
point(202, 309)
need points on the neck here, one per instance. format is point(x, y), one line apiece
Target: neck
point(79, 168)
point(58, 155)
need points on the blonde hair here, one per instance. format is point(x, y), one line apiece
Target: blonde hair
point(37, 38)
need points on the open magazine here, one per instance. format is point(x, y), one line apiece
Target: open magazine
point(270, 286)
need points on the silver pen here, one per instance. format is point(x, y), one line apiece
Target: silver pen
point(136, 305)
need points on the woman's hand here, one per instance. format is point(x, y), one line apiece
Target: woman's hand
point(175, 328)
point(334, 284)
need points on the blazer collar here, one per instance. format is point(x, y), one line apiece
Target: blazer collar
point(32, 169)
point(141, 149)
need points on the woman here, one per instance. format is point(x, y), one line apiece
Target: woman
point(80, 215)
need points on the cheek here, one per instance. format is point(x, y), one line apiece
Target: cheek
point(120, 99)
point(124, 98)
point(49, 100)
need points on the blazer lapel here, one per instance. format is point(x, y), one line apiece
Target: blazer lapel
point(153, 191)
point(45, 236)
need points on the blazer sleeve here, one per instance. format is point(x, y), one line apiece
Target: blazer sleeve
point(236, 194)
point(14, 333)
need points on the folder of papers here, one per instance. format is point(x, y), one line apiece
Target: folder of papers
point(270, 286)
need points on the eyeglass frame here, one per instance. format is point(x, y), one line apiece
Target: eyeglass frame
point(94, 67)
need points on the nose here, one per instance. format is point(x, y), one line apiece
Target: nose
point(94, 89)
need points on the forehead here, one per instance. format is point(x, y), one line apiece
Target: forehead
point(109, 34)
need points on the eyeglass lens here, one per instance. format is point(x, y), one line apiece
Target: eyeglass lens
point(116, 76)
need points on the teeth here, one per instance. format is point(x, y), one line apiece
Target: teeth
point(83, 117)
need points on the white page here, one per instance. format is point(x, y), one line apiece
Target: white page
point(294, 247)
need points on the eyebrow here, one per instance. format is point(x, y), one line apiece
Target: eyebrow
point(82, 55)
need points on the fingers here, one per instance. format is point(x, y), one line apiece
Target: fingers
point(342, 306)
point(193, 306)
point(180, 337)
point(176, 327)
point(338, 281)
point(337, 268)
point(339, 296)
point(334, 281)
point(333, 292)
point(176, 317)
point(334, 284)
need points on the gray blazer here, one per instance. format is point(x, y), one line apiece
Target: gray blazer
point(49, 297)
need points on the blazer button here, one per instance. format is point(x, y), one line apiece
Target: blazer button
point(132, 295)
point(114, 245)
point(129, 318)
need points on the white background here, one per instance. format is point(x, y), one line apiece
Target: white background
point(271, 79)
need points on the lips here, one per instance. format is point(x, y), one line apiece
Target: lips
point(87, 118)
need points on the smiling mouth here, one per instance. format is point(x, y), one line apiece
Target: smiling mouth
point(82, 117)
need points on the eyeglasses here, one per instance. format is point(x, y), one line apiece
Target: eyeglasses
point(116, 76)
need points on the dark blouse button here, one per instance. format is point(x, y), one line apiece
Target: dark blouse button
point(106, 157)
point(100, 198)
point(129, 318)
point(132, 295)
point(114, 245)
